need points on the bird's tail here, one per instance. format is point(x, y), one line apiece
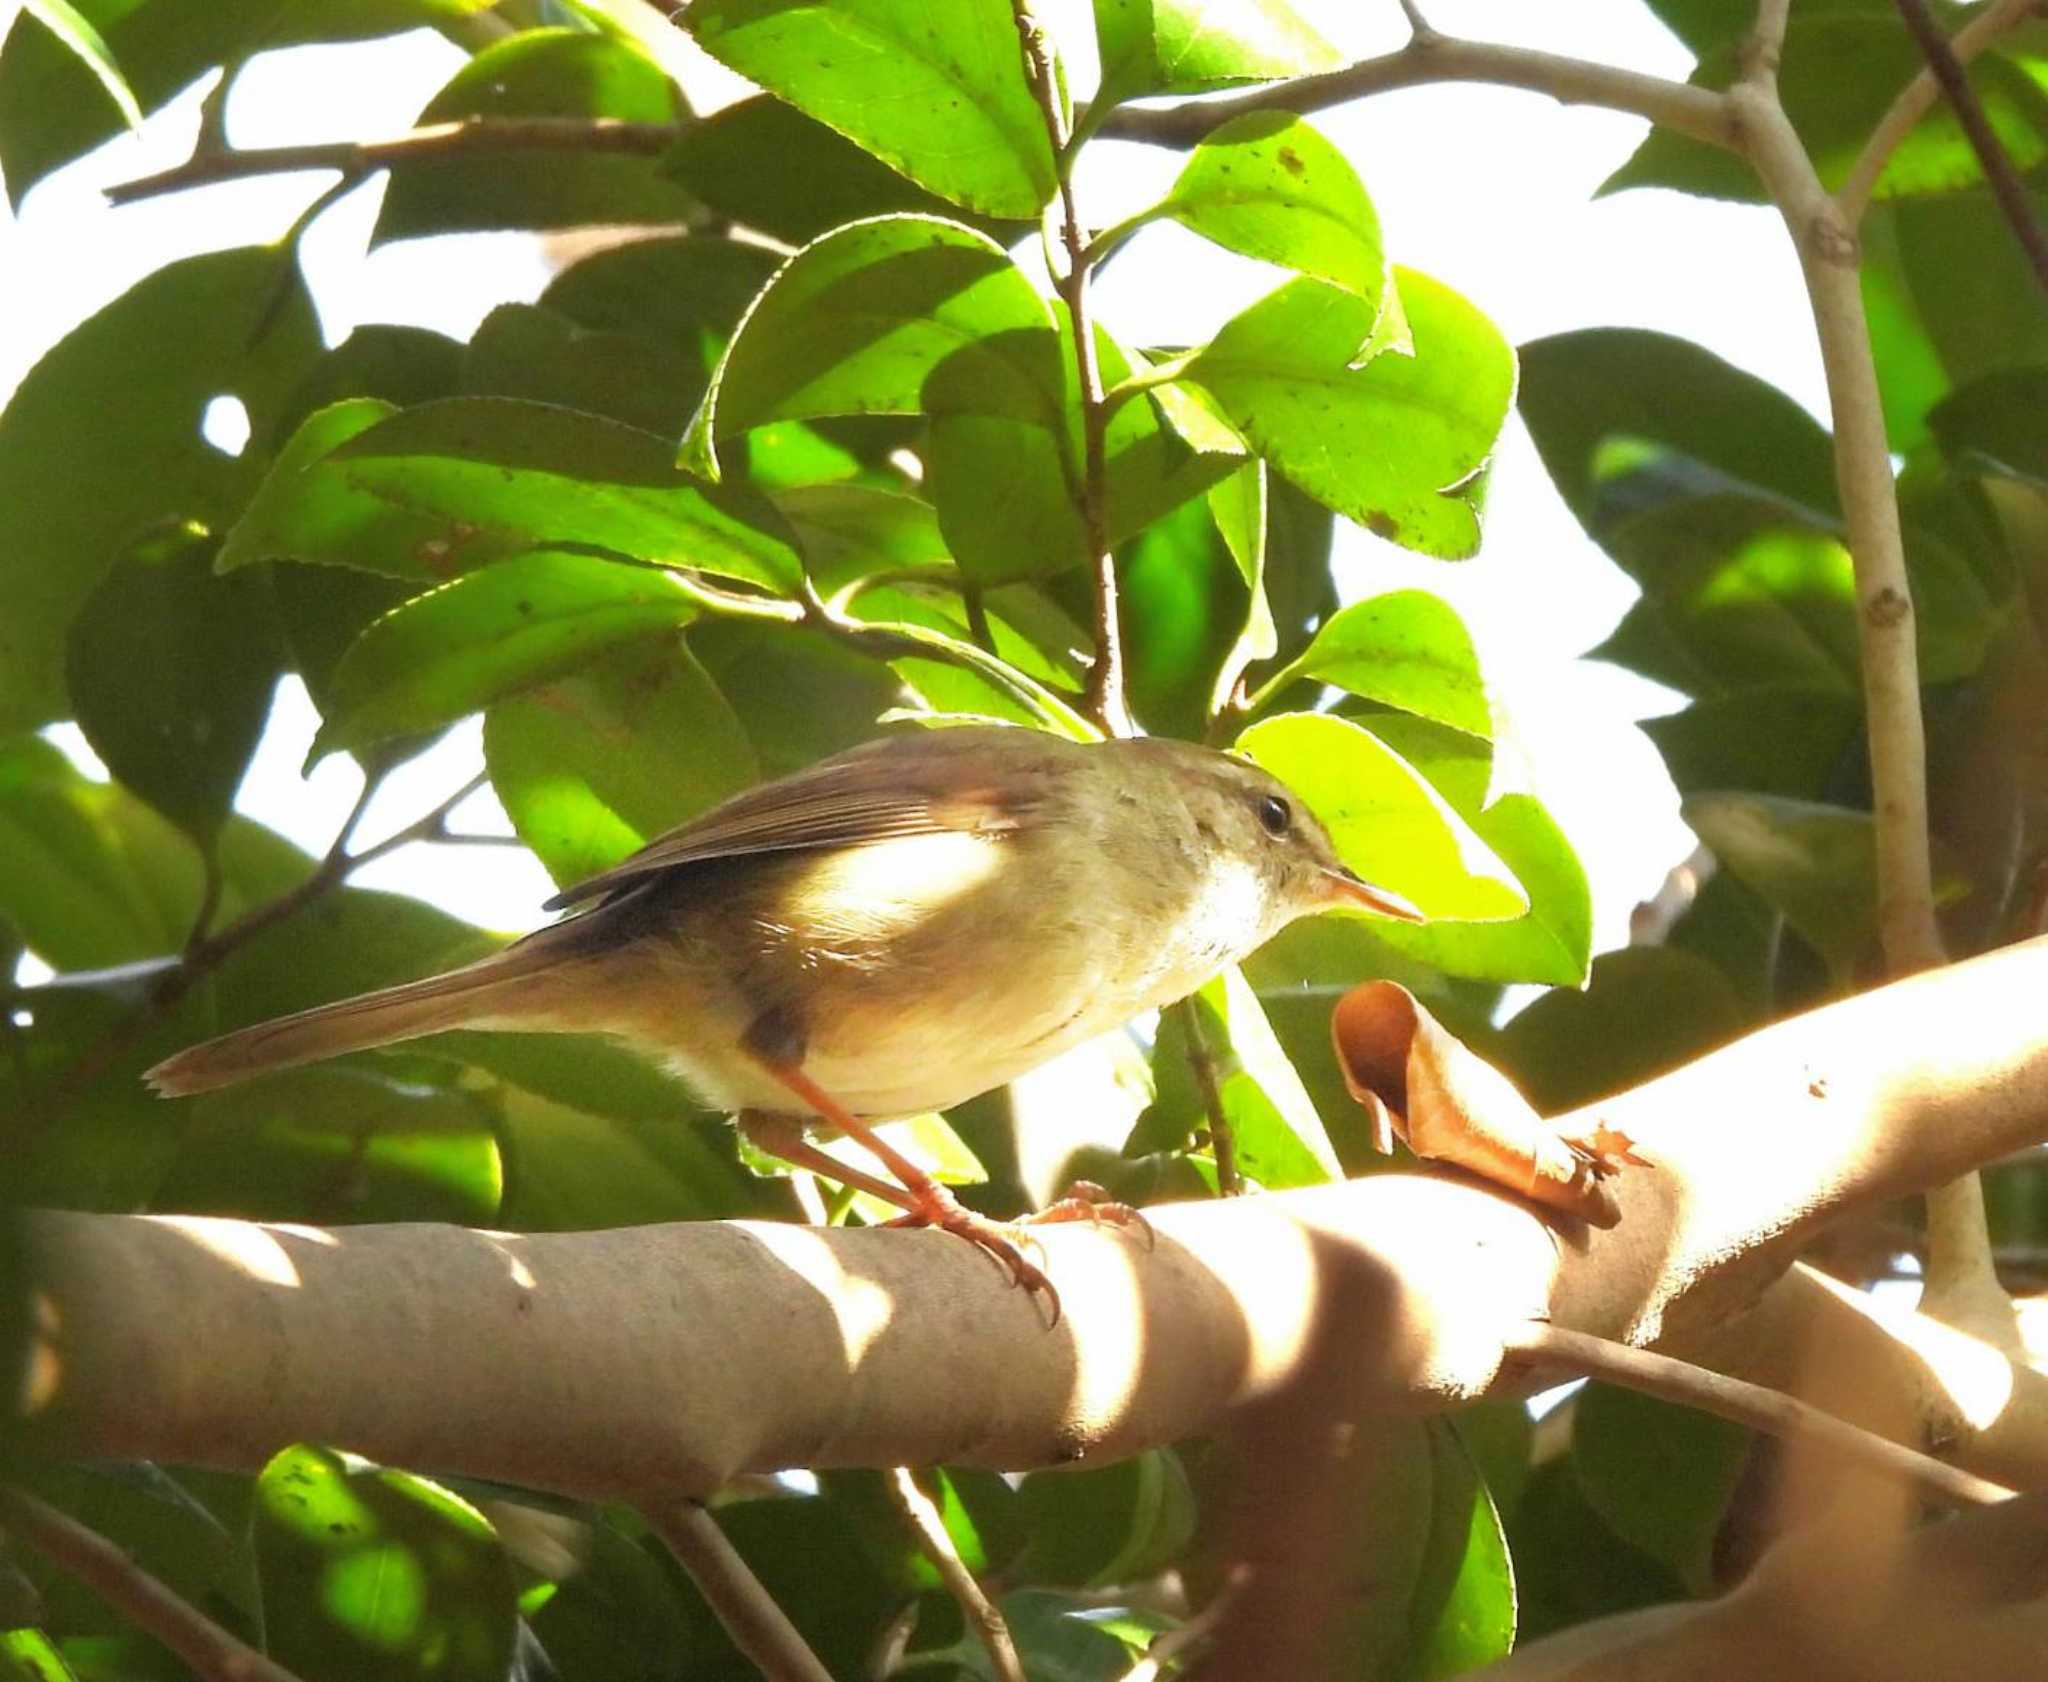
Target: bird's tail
point(488, 992)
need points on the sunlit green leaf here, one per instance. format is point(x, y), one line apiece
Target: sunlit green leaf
point(1191, 46)
point(540, 73)
point(1268, 185)
point(1396, 445)
point(101, 443)
point(1388, 823)
point(591, 767)
point(1406, 649)
point(454, 650)
point(959, 119)
point(371, 1574)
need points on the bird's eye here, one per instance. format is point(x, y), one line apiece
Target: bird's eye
point(1274, 814)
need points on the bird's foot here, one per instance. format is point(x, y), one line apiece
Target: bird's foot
point(1084, 1200)
point(935, 1206)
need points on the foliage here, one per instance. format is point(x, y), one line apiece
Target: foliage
point(730, 498)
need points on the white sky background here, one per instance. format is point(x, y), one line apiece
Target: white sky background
point(1488, 189)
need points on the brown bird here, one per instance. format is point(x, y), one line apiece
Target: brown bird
point(890, 931)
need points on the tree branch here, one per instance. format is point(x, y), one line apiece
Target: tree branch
point(550, 1359)
point(1998, 169)
point(212, 1652)
point(1105, 701)
point(1430, 58)
point(1917, 98)
point(436, 143)
point(759, 1628)
point(924, 1523)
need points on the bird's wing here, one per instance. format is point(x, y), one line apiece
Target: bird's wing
point(893, 787)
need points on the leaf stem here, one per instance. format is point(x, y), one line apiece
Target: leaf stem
point(759, 1628)
point(1917, 98)
point(2006, 186)
point(1105, 702)
point(466, 137)
point(981, 1613)
point(211, 1651)
point(1202, 1065)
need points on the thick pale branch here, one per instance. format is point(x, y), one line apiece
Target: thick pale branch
point(668, 1359)
point(1431, 58)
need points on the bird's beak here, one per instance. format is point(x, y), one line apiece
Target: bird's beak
point(1347, 888)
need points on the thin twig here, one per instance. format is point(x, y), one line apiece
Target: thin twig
point(1105, 702)
point(1698, 112)
point(1997, 165)
point(980, 1612)
point(759, 1628)
point(1202, 1065)
point(1917, 98)
point(1761, 1409)
point(1962, 1281)
point(211, 1651)
point(437, 142)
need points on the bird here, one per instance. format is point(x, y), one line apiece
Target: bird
point(890, 931)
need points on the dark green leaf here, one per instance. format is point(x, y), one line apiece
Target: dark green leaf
point(800, 694)
point(1089, 1527)
point(455, 650)
point(540, 73)
point(816, 179)
point(1191, 46)
point(1182, 603)
point(101, 443)
point(1840, 70)
point(400, 366)
point(170, 671)
point(1645, 1009)
point(959, 120)
point(1569, 1567)
point(1659, 1475)
point(370, 1573)
point(1268, 185)
point(1059, 1637)
point(684, 295)
point(852, 532)
point(1388, 823)
point(1815, 864)
point(1396, 445)
point(441, 489)
point(592, 767)
point(1772, 739)
point(1553, 940)
point(72, 27)
point(524, 350)
point(1584, 389)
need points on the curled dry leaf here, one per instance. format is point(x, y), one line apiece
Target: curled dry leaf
point(1451, 1106)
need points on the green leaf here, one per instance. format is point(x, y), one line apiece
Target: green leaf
point(1192, 46)
point(593, 766)
point(441, 489)
point(1644, 1010)
point(1182, 602)
point(1839, 72)
point(527, 351)
point(1396, 445)
point(1816, 864)
point(959, 119)
point(170, 671)
point(1783, 739)
point(801, 694)
point(1660, 1475)
point(101, 443)
point(1388, 823)
point(94, 878)
point(75, 30)
point(540, 73)
point(820, 181)
point(1406, 649)
point(28, 1655)
point(947, 686)
point(851, 532)
point(1437, 1592)
point(1553, 940)
point(370, 1573)
point(1268, 185)
point(1279, 1136)
point(1582, 389)
point(1569, 1567)
point(453, 651)
point(1092, 1526)
point(859, 322)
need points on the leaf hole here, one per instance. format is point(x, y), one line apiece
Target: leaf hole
point(225, 425)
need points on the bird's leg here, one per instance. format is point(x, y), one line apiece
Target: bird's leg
point(783, 1136)
point(929, 1203)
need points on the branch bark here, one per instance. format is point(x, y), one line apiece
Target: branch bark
point(623, 1362)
